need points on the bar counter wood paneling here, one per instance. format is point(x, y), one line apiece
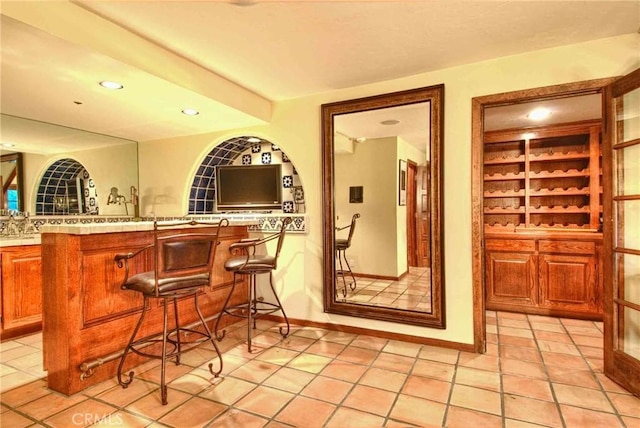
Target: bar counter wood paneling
point(86, 314)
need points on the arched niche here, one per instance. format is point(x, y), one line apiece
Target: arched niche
point(66, 187)
point(244, 150)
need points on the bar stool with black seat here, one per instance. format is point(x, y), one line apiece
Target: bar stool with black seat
point(182, 266)
point(342, 245)
point(252, 264)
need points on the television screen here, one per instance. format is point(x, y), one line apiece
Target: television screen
point(248, 187)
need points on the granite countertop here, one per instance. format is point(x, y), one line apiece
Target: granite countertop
point(128, 226)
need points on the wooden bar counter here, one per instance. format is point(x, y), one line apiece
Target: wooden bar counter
point(87, 317)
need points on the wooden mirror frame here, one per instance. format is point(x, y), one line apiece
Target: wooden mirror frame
point(434, 95)
point(17, 157)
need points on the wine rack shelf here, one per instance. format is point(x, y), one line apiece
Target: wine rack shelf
point(551, 180)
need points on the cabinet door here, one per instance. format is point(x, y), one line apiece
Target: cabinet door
point(21, 288)
point(569, 282)
point(510, 280)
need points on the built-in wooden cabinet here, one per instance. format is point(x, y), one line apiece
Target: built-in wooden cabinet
point(542, 220)
point(21, 290)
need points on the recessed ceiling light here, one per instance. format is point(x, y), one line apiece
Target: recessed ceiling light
point(361, 139)
point(111, 85)
point(8, 145)
point(539, 113)
point(390, 122)
point(190, 112)
point(253, 140)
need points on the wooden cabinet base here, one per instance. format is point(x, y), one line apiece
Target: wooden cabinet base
point(88, 317)
point(21, 295)
point(545, 275)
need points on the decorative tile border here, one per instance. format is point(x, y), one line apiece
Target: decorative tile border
point(265, 222)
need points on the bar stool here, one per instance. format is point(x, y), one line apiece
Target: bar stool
point(182, 265)
point(252, 264)
point(341, 246)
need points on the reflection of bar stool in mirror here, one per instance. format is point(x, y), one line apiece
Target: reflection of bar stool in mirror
point(182, 265)
point(251, 264)
point(341, 246)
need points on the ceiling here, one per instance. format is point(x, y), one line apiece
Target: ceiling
point(232, 60)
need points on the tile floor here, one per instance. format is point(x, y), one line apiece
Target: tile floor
point(411, 292)
point(538, 371)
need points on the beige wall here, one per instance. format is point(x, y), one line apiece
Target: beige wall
point(167, 167)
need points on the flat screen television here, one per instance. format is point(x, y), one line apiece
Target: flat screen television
point(248, 187)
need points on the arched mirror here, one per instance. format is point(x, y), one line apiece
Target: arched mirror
point(382, 202)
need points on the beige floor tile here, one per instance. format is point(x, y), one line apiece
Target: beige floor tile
point(264, 401)
point(523, 333)
point(278, 356)
point(339, 337)
point(306, 412)
point(255, 371)
point(592, 341)
point(172, 372)
point(123, 419)
point(14, 420)
point(631, 422)
point(150, 406)
point(523, 368)
point(325, 348)
point(121, 397)
point(234, 418)
point(369, 342)
point(531, 411)
point(358, 355)
point(560, 348)
point(398, 363)
point(402, 348)
point(195, 381)
point(476, 399)
point(435, 370)
point(570, 376)
point(582, 397)
point(580, 417)
point(309, 363)
point(26, 393)
point(511, 315)
point(626, 404)
point(526, 387)
point(519, 353)
point(427, 388)
point(478, 378)
point(345, 417)
point(344, 370)
point(509, 322)
point(523, 342)
point(458, 417)
point(383, 379)
point(609, 385)
point(443, 355)
point(290, 380)
point(479, 361)
point(228, 391)
point(16, 379)
point(370, 400)
point(195, 412)
point(50, 404)
point(17, 352)
point(512, 423)
point(327, 389)
point(544, 326)
point(551, 336)
point(417, 411)
point(82, 414)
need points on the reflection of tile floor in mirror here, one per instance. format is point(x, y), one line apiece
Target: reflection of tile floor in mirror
point(411, 292)
point(537, 372)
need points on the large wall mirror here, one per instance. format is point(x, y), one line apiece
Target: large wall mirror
point(11, 181)
point(382, 202)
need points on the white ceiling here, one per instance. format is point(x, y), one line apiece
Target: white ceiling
point(231, 61)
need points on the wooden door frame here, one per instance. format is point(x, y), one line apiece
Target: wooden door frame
point(412, 207)
point(478, 104)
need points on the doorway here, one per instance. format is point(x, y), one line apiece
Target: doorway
point(525, 265)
